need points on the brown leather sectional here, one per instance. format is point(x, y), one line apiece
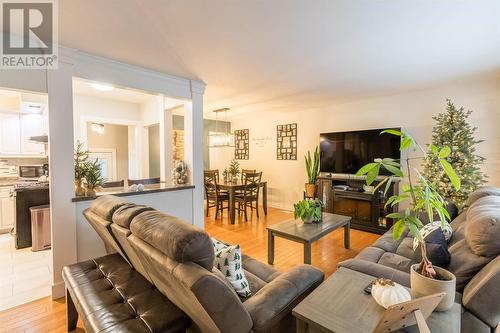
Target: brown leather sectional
point(175, 261)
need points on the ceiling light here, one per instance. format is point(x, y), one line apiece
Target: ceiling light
point(98, 128)
point(102, 86)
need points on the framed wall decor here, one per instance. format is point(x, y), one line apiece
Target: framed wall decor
point(241, 144)
point(286, 142)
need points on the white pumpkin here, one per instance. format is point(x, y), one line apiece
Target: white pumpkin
point(387, 293)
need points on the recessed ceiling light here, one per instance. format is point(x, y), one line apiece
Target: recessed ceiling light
point(102, 86)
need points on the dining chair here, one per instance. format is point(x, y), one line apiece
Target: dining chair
point(215, 197)
point(250, 196)
point(118, 183)
point(146, 181)
point(216, 173)
point(244, 172)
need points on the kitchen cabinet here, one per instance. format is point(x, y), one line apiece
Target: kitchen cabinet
point(7, 210)
point(15, 131)
point(10, 134)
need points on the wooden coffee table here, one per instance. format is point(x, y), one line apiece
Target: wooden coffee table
point(307, 233)
point(340, 305)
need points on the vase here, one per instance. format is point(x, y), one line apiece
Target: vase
point(424, 286)
point(308, 219)
point(79, 189)
point(90, 192)
point(310, 190)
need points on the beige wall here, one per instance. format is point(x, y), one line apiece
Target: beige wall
point(412, 110)
point(114, 137)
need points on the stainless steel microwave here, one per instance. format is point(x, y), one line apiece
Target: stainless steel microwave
point(31, 171)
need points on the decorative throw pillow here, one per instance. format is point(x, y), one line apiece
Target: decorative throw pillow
point(228, 261)
point(436, 248)
point(430, 228)
point(218, 245)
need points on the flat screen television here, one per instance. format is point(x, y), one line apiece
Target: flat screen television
point(347, 152)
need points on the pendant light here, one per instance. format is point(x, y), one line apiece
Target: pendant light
point(224, 138)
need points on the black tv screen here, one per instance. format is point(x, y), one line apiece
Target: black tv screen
point(347, 152)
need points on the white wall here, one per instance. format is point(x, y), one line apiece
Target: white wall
point(412, 110)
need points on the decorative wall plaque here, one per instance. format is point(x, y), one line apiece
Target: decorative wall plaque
point(286, 142)
point(241, 144)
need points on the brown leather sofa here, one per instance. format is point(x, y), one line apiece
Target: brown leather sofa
point(476, 267)
point(177, 258)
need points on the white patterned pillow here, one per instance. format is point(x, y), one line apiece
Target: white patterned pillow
point(228, 261)
point(218, 245)
point(430, 227)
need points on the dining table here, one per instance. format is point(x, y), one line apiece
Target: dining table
point(232, 188)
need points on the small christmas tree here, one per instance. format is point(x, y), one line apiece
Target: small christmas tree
point(454, 131)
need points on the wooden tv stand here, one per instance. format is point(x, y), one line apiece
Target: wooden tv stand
point(366, 209)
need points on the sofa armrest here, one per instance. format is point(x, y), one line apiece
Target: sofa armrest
point(277, 299)
point(377, 270)
point(482, 294)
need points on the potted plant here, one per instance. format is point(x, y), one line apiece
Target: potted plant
point(93, 177)
point(233, 170)
point(81, 159)
point(312, 168)
point(421, 197)
point(308, 210)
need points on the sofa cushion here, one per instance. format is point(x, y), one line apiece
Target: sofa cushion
point(482, 192)
point(177, 240)
point(482, 230)
point(396, 261)
point(387, 242)
point(464, 263)
point(106, 205)
point(371, 254)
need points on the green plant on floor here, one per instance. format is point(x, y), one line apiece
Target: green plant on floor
point(420, 194)
point(308, 210)
point(454, 131)
point(312, 166)
point(93, 175)
point(234, 169)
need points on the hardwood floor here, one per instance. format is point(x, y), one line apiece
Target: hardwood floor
point(47, 316)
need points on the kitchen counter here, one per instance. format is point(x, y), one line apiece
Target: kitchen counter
point(123, 191)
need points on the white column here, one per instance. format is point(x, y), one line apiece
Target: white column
point(193, 150)
point(61, 172)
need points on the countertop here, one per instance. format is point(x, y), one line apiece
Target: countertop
point(123, 192)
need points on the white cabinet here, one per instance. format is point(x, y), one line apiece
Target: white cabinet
point(15, 131)
point(7, 210)
point(10, 134)
point(31, 125)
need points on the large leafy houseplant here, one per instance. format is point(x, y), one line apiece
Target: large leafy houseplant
point(312, 169)
point(420, 195)
point(308, 210)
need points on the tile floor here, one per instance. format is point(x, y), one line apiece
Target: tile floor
point(24, 275)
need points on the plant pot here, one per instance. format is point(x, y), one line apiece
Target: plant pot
point(310, 190)
point(79, 189)
point(424, 286)
point(91, 192)
point(308, 220)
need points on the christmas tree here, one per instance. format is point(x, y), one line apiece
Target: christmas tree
point(454, 131)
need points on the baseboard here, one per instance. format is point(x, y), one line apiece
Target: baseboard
point(58, 290)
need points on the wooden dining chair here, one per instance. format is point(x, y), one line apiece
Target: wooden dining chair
point(146, 181)
point(118, 183)
point(244, 173)
point(250, 196)
point(215, 198)
point(216, 173)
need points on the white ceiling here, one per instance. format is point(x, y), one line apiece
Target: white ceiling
point(291, 54)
